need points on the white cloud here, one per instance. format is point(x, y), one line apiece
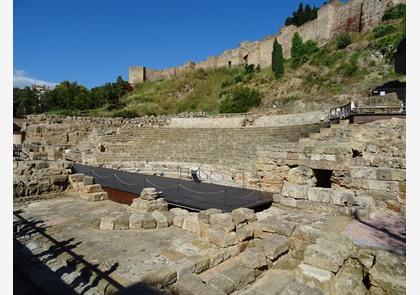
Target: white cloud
point(21, 79)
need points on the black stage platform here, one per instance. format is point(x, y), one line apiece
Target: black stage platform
point(179, 192)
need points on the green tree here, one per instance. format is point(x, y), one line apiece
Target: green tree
point(240, 99)
point(277, 60)
point(25, 101)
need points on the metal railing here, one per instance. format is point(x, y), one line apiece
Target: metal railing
point(345, 111)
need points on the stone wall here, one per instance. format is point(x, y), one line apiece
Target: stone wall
point(366, 164)
point(333, 19)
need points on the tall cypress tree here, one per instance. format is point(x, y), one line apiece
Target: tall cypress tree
point(277, 60)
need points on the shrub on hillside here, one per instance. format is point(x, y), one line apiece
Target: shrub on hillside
point(240, 99)
point(383, 31)
point(350, 68)
point(395, 12)
point(343, 41)
point(301, 51)
point(125, 114)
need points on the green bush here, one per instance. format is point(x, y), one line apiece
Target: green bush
point(343, 41)
point(240, 99)
point(383, 31)
point(249, 69)
point(388, 45)
point(350, 68)
point(301, 51)
point(395, 12)
point(277, 60)
point(125, 114)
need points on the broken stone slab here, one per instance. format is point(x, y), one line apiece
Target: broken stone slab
point(342, 197)
point(161, 220)
point(319, 194)
point(223, 221)
point(390, 174)
point(160, 278)
point(162, 205)
point(169, 217)
point(179, 220)
point(179, 212)
point(293, 190)
point(191, 223)
point(220, 238)
point(315, 277)
point(122, 222)
point(241, 215)
point(201, 263)
point(144, 205)
point(204, 216)
point(301, 175)
point(290, 202)
point(192, 284)
point(93, 188)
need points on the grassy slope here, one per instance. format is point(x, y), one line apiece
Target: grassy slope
point(328, 78)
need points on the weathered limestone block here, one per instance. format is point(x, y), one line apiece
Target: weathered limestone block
point(275, 245)
point(144, 205)
point(220, 238)
point(390, 174)
point(315, 277)
point(307, 233)
point(122, 222)
point(381, 185)
point(286, 201)
point(88, 180)
point(239, 275)
point(349, 279)
point(160, 278)
point(254, 256)
point(201, 263)
point(342, 197)
point(93, 188)
point(142, 220)
point(94, 197)
point(301, 175)
point(365, 256)
point(387, 276)
point(363, 172)
point(244, 232)
point(161, 204)
point(107, 222)
point(161, 220)
point(58, 179)
point(296, 191)
point(329, 252)
point(204, 216)
point(320, 194)
point(191, 223)
point(222, 220)
point(192, 284)
point(169, 217)
point(149, 193)
point(222, 283)
point(77, 177)
point(273, 225)
point(241, 215)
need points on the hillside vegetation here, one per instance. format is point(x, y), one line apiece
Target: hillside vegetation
point(350, 65)
point(314, 78)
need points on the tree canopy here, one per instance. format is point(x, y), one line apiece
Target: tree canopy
point(68, 96)
point(277, 60)
point(302, 15)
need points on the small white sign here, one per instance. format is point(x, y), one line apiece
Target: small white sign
point(382, 93)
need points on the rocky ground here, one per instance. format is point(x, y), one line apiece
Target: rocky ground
point(62, 246)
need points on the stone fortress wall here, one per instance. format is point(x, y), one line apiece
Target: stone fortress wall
point(333, 19)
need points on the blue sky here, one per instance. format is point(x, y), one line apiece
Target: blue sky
point(94, 41)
